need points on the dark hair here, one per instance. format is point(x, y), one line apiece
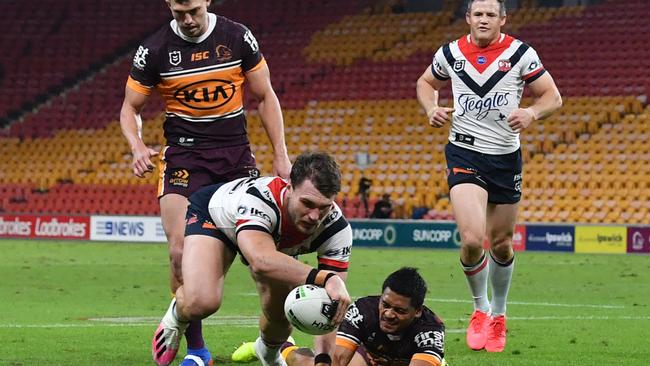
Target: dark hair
point(406, 281)
point(502, 6)
point(321, 169)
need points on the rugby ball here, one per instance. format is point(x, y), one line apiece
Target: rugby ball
point(310, 310)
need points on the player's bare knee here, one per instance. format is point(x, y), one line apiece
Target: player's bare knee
point(501, 248)
point(471, 239)
point(199, 306)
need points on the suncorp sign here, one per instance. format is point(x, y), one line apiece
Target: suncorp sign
point(418, 234)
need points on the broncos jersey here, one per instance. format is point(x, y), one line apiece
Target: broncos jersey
point(259, 204)
point(200, 79)
point(423, 340)
point(487, 85)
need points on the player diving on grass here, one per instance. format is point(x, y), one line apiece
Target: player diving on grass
point(268, 221)
point(392, 329)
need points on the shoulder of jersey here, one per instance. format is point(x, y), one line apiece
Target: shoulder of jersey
point(230, 24)
point(367, 300)
point(432, 317)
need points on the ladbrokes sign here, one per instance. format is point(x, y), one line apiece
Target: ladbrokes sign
point(50, 227)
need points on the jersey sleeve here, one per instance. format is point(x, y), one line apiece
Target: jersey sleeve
point(334, 252)
point(430, 346)
point(252, 58)
point(144, 72)
point(531, 66)
point(439, 66)
point(255, 213)
point(350, 333)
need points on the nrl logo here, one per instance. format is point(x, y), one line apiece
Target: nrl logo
point(175, 58)
point(459, 65)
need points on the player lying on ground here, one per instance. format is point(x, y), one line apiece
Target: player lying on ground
point(392, 329)
point(267, 220)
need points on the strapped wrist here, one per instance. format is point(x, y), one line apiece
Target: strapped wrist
point(318, 277)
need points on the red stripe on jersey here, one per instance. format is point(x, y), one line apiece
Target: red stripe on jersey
point(334, 263)
point(491, 53)
point(526, 77)
point(276, 187)
point(241, 222)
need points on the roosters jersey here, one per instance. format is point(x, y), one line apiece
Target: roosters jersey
point(258, 204)
point(487, 85)
point(200, 79)
point(424, 339)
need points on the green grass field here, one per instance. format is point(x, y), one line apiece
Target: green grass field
point(71, 303)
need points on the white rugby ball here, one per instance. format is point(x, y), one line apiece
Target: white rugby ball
point(310, 310)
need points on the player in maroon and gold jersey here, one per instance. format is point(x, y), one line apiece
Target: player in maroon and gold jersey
point(198, 63)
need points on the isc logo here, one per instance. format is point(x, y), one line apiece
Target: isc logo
point(206, 94)
point(198, 56)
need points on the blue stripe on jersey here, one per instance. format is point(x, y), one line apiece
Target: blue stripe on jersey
point(438, 76)
point(482, 91)
point(253, 191)
point(530, 80)
point(329, 232)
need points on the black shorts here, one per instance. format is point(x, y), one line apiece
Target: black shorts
point(499, 175)
point(198, 220)
point(185, 170)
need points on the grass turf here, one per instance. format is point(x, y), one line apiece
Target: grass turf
point(73, 303)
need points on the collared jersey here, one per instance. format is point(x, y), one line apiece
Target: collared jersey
point(259, 204)
point(423, 339)
point(200, 79)
point(487, 85)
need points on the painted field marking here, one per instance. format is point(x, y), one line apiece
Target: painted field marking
point(251, 321)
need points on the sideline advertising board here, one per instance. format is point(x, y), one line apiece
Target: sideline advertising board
point(601, 239)
point(414, 234)
point(127, 228)
point(46, 227)
point(554, 238)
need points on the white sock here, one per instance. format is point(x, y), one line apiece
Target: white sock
point(268, 354)
point(500, 278)
point(171, 319)
point(477, 279)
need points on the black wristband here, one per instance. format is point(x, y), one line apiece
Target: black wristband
point(323, 358)
point(311, 277)
point(329, 275)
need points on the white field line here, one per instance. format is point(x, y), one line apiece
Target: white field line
point(251, 321)
point(549, 304)
point(523, 303)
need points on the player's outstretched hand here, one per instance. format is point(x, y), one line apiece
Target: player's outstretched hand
point(337, 291)
point(142, 160)
point(438, 116)
point(520, 119)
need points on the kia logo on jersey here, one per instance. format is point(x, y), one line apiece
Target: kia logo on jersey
point(206, 94)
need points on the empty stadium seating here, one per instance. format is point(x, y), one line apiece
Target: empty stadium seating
point(49, 43)
point(345, 74)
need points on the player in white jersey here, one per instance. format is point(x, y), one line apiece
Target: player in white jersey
point(488, 71)
point(268, 221)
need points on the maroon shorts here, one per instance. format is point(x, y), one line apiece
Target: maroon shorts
point(185, 170)
point(366, 357)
